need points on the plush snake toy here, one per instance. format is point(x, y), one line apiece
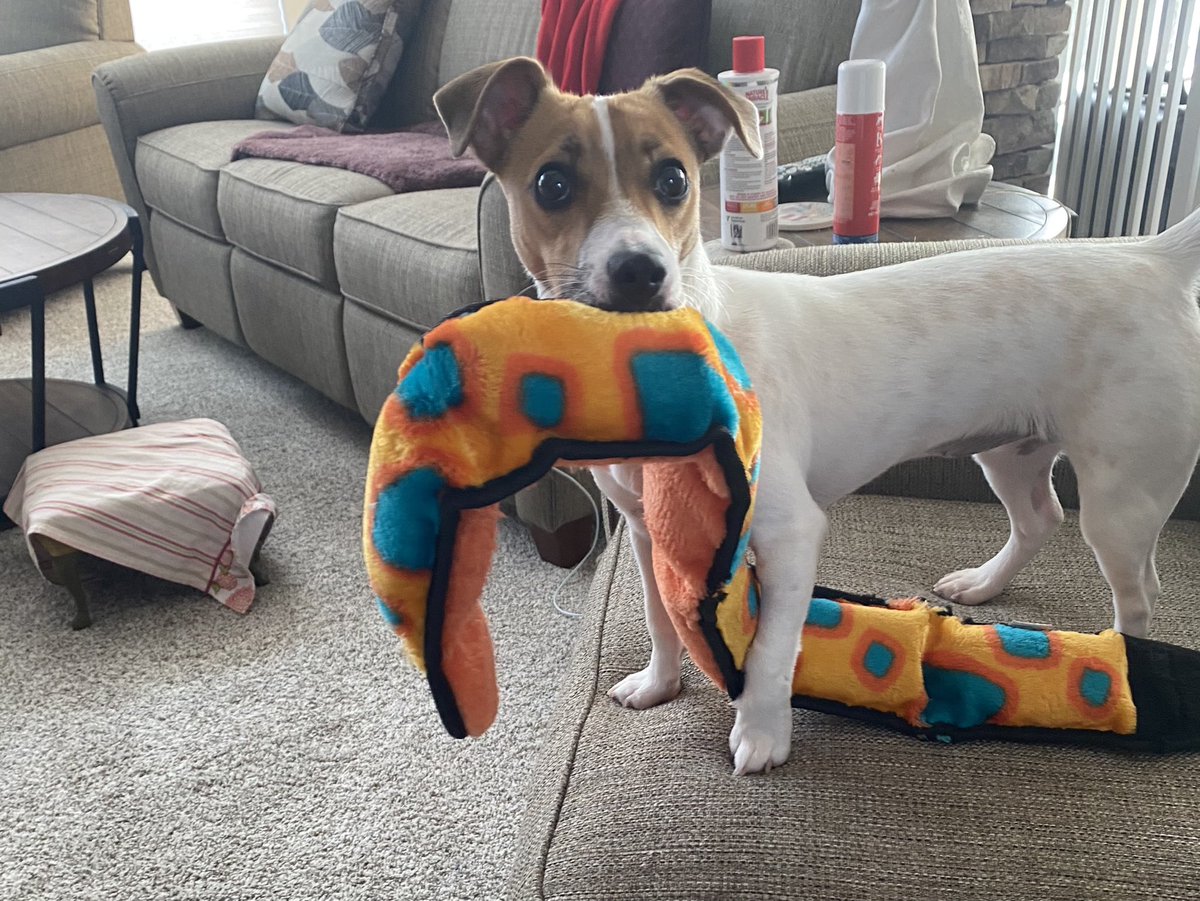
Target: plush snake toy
point(494, 396)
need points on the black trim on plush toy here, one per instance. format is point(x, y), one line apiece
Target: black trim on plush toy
point(466, 311)
point(435, 620)
point(954, 735)
point(735, 518)
point(549, 452)
point(832, 594)
point(1168, 708)
point(1164, 684)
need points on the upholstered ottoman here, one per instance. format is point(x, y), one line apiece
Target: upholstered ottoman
point(176, 500)
point(627, 804)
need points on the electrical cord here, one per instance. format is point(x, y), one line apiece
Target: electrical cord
point(599, 527)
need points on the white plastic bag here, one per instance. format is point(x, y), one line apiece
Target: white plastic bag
point(935, 158)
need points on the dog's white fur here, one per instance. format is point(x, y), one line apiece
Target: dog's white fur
point(1015, 353)
point(1063, 347)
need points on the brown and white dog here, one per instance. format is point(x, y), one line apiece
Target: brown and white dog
point(1014, 354)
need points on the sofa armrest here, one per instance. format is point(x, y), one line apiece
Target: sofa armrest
point(839, 259)
point(940, 478)
point(157, 90)
point(501, 272)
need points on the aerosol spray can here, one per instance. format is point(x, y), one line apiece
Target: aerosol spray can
point(858, 151)
point(750, 187)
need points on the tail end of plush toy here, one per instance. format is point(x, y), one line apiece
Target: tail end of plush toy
point(450, 641)
point(461, 668)
point(1165, 682)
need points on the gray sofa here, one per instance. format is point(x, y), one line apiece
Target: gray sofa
point(50, 134)
point(324, 272)
point(327, 273)
point(643, 806)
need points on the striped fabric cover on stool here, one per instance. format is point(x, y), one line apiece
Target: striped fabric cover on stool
point(176, 500)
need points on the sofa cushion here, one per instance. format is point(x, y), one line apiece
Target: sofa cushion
point(411, 256)
point(336, 63)
point(77, 162)
point(293, 323)
point(49, 92)
point(375, 346)
point(177, 168)
point(483, 31)
point(451, 37)
point(30, 24)
point(284, 212)
point(193, 271)
point(642, 804)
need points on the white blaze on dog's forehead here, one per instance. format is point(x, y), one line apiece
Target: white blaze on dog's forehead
point(607, 139)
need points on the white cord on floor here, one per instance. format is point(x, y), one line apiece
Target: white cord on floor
point(595, 541)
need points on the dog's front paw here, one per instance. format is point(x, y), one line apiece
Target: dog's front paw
point(645, 688)
point(969, 586)
point(761, 739)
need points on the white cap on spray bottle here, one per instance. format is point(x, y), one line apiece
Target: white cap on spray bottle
point(860, 86)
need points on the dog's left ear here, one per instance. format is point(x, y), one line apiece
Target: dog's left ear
point(709, 112)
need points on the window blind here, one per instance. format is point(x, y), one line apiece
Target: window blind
point(1127, 158)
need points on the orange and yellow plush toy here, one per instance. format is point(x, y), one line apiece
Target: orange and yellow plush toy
point(496, 395)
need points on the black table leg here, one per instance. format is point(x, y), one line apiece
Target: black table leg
point(135, 316)
point(14, 295)
point(28, 292)
point(37, 331)
point(89, 301)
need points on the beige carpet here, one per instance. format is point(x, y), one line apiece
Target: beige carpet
point(178, 750)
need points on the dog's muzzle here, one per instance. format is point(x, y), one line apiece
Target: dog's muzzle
point(635, 282)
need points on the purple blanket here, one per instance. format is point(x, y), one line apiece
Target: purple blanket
point(411, 159)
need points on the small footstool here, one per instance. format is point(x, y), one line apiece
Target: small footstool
point(176, 500)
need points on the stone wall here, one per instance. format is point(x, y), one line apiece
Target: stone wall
point(1020, 44)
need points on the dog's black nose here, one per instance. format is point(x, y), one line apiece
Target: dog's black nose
point(635, 278)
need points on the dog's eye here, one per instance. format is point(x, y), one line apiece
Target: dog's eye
point(553, 187)
point(670, 181)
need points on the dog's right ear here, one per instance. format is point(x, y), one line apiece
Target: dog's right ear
point(708, 111)
point(483, 109)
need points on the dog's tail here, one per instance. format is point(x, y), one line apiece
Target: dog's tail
point(1180, 244)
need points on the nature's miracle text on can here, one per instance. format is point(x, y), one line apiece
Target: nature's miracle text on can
point(750, 187)
point(858, 151)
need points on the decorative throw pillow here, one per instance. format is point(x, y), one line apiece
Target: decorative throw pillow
point(336, 63)
point(654, 37)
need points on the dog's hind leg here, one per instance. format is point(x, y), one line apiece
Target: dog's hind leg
point(1020, 476)
point(1121, 512)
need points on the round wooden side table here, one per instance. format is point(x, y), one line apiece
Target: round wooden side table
point(49, 242)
